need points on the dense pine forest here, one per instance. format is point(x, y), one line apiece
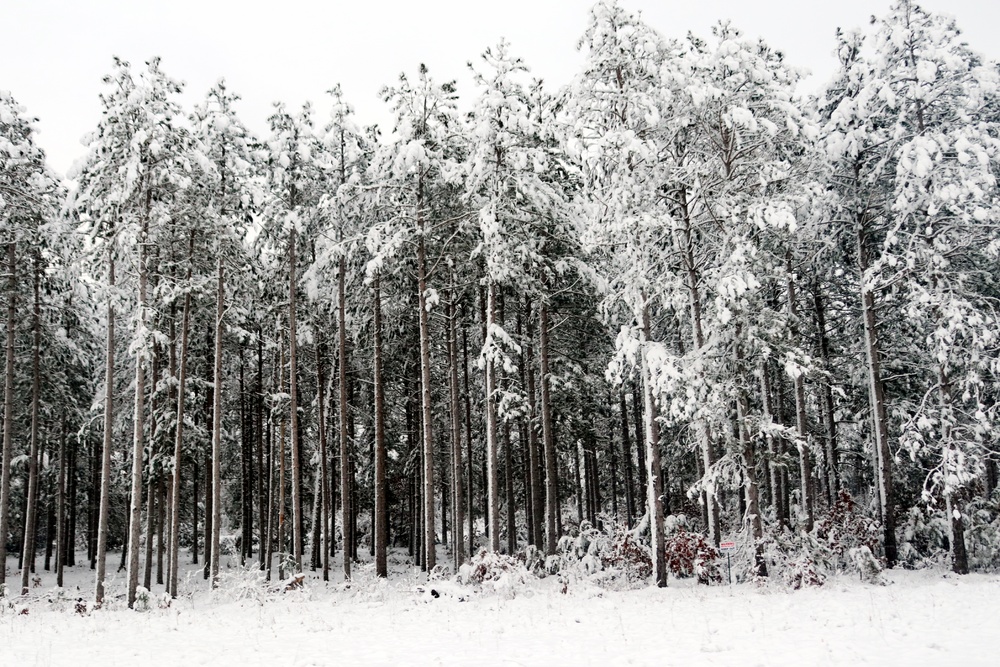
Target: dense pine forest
point(675, 304)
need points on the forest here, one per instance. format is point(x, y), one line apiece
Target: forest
point(675, 305)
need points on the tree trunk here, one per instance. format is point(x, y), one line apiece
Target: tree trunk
point(175, 508)
point(654, 485)
point(28, 551)
point(138, 419)
point(548, 438)
point(492, 446)
point(425, 397)
point(470, 494)
point(456, 436)
point(324, 457)
point(535, 465)
point(345, 468)
point(627, 460)
point(8, 410)
point(829, 417)
point(805, 463)
point(61, 484)
point(147, 569)
point(876, 392)
point(381, 527)
point(749, 466)
point(698, 336)
point(281, 476)
point(293, 372)
point(220, 301)
point(109, 384)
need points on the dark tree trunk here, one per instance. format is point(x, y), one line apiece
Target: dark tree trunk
point(28, 550)
point(456, 436)
point(175, 518)
point(8, 408)
point(109, 384)
point(345, 468)
point(876, 391)
point(220, 301)
point(293, 411)
point(381, 527)
point(548, 437)
point(627, 460)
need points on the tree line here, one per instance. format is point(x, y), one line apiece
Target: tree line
point(676, 286)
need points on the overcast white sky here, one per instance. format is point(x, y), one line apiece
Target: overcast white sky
point(53, 53)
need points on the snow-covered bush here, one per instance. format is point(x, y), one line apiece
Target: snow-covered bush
point(611, 557)
point(494, 572)
point(243, 584)
point(924, 539)
point(845, 528)
point(691, 555)
point(866, 564)
point(982, 533)
point(142, 599)
point(803, 571)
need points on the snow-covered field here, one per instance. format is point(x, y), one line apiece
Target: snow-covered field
point(918, 618)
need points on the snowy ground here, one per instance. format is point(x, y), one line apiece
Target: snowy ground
point(919, 618)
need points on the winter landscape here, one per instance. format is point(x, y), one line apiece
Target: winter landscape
point(679, 363)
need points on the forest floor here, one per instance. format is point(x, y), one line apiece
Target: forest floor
point(916, 618)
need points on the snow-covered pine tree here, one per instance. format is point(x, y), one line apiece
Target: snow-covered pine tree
point(409, 173)
point(28, 200)
point(136, 163)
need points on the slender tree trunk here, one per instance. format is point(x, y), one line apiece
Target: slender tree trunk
point(805, 462)
point(281, 477)
point(147, 569)
point(220, 301)
point(508, 457)
point(640, 449)
point(109, 385)
point(774, 469)
point(456, 436)
point(704, 437)
point(345, 468)
point(829, 417)
point(548, 438)
point(161, 528)
point(8, 411)
point(578, 486)
point(654, 486)
point(751, 488)
point(324, 456)
point(956, 522)
point(614, 474)
point(535, 464)
point(246, 468)
point(627, 460)
point(470, 493)
point(293, 372)
point(209, 511)
point(194, 510)
point(381, 527)
point(28, 551)
point(262, 498)
point(61, 484)
point(425, 398)
point(175, 509)
point(50, 522)
point(138, 419)
point(267, 561)
point(492, 446)
point(876, 391)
